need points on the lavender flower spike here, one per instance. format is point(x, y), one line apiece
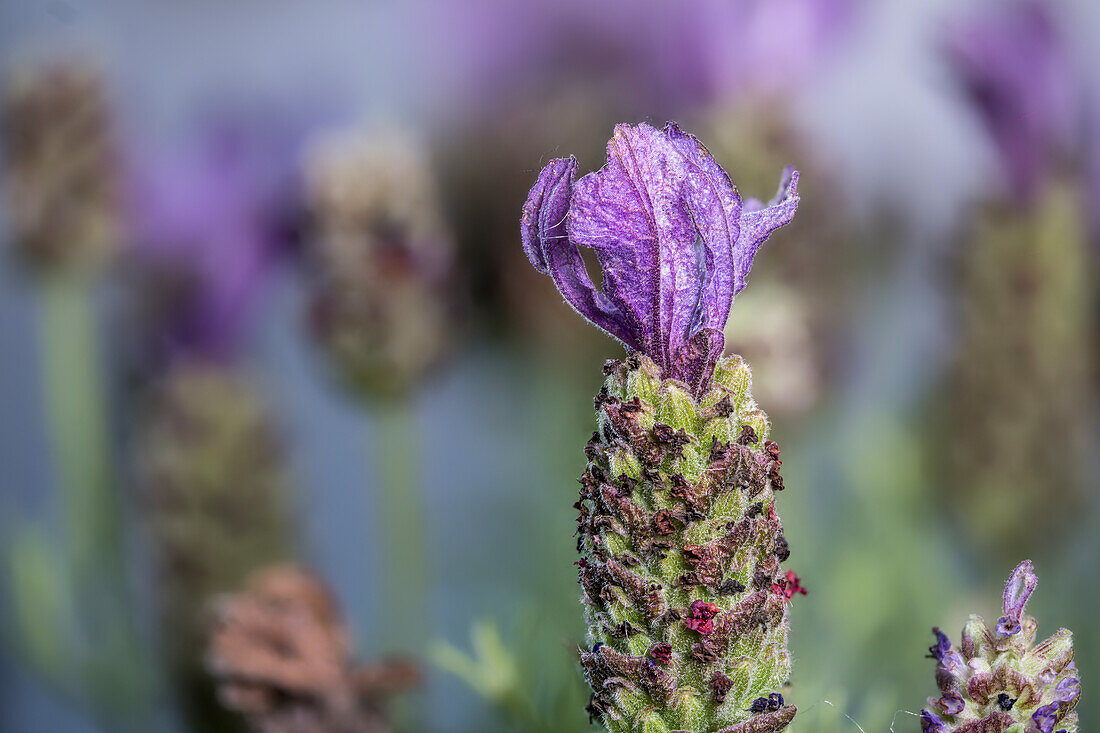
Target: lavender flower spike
point(680, 541)
point(1002, 680)
point(673, 236)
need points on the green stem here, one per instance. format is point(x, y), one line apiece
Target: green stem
point(76, 418)
point(400, 526)
point(105, 659)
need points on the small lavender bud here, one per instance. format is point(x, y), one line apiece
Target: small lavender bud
point(61, 170)
point(1000, 679)
point(382, 306)
point(678, 532)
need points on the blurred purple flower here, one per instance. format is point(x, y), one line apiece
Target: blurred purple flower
point(652, 55)
point(497, 49)
point(672, 235)
point(209, 220)
point(765, 46)
point(1014, 67)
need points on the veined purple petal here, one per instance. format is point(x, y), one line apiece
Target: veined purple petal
point(758, 222)
point(951, 670)
point(630, 213)
point(667, 226)
point(1021, 584)
point(547, 244)
point(715, 209)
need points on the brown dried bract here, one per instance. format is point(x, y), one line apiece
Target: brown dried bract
point(279, 654)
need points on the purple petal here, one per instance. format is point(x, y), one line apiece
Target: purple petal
point(942, 645)
point(1021, 584)
point(1068, 690)
point(1045, 717)
point(1008, 626)
point(716, 210)
point(951, 670)
point(630, 213)
point(952, 703)
point(667, 226)
point(547, 244)
point(932, 723)
point(758, 223)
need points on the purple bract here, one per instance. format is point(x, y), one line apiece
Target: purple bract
point(674, 239)
point(1021, 584)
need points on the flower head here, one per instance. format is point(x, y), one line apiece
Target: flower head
point(60, 169)
point(1000, 679)
point(1014, 68)
point(672, 234)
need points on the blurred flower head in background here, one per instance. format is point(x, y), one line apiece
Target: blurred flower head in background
point(1023, 374)
point(211, 218)
point(764, 47)
point(1014, 66)
point(61, 171)
point(383, 301)
point(214, 487)
point(282, 657)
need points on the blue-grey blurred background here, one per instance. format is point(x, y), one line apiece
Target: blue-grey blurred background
point(923, 337)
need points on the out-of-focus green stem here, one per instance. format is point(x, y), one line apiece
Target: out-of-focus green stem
point(106, 666)
point(76, 415)
point(400, 526)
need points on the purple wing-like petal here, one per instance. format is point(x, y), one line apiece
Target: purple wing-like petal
point(716, 211)
point(547, 244)
point(1021, 584)
point(627, 213)
point(952, 703)
point(758, 223)
point(671, 235)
